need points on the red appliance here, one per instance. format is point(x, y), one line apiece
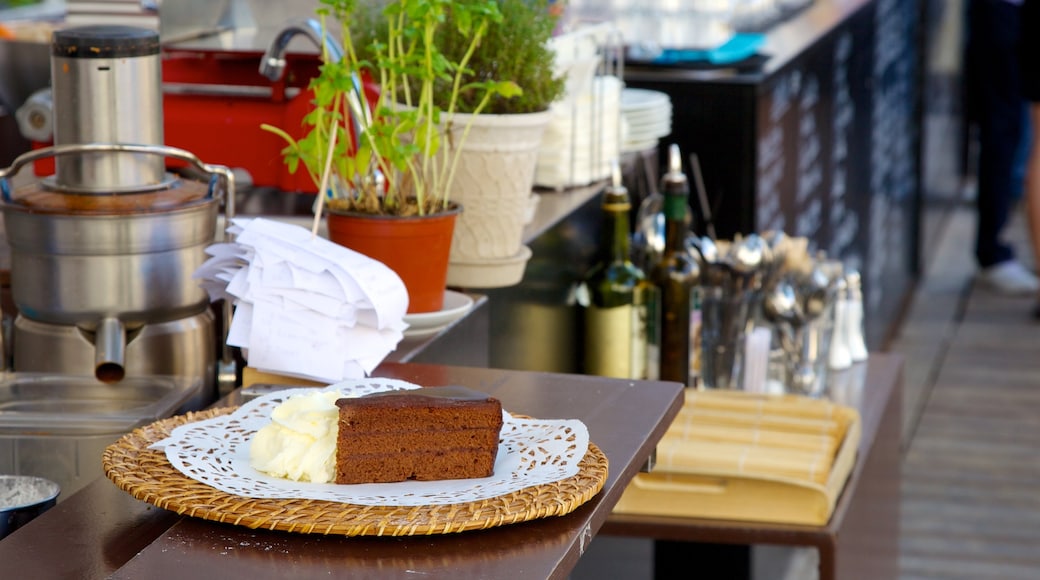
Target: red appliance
point(215, 102)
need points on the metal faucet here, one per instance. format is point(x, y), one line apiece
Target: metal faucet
point(272, 64)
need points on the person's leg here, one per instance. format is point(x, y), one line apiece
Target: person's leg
point(1019, 167)
point(997, 109)
point(1029, 60)
point(1032, 187)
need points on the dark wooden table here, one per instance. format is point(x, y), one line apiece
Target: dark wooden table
point(860, 541)
point(103, 532)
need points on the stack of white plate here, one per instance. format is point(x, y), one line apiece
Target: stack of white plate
point(647, 117)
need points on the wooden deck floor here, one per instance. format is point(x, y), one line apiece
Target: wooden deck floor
point(971, 470)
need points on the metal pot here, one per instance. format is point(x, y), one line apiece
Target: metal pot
point(22, 498)
point(138, 264)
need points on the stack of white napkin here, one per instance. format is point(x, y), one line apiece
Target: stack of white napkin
point(583, 136)
point(305, 306)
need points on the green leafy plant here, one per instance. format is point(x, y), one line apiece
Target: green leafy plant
point(394, 157)
point(515, 47)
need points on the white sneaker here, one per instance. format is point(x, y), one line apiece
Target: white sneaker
point(1010, 277)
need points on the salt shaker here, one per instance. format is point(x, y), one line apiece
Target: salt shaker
point(839, 353)
point(854, 316)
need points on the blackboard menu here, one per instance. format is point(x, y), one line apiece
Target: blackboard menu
point(894, 159)
point(821, 140)
point(836, 152)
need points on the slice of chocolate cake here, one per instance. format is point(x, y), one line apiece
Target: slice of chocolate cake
point(425, 434)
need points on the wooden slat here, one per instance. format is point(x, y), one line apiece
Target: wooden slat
point(971, 470)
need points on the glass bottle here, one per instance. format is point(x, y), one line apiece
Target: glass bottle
point(675, 276)
point(617, 296)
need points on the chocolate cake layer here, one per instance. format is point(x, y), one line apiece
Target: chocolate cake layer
point(425, 434)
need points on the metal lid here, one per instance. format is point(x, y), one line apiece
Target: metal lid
point(105, 41)
point(57, 405)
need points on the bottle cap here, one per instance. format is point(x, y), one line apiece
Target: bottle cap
point(616, 194)
point(852, 278)
point(674, 181)
point(616, 184)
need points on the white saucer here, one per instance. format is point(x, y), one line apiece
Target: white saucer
point(456, 305)
point(489, 272)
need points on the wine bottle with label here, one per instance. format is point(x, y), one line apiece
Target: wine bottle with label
point(616, 297)
point(675, 276)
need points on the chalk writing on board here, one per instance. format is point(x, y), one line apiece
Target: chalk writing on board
point(892, 159)
point(782, 95)
point(808, 220)
point(772, 164)
point(810, 166)
point(843, 221)
point(836, 144)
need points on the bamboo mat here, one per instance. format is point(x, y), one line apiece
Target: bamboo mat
point(743, 456)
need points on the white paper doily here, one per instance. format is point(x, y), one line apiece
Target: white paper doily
point(216, 452)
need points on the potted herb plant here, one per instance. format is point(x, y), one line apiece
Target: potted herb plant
point(385, 161)
point(495, 136)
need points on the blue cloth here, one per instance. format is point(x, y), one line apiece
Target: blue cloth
point(739, 47)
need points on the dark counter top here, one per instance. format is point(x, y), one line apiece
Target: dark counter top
point(103, 532)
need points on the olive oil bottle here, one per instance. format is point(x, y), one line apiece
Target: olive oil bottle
point(675, 276)
point(616, 296)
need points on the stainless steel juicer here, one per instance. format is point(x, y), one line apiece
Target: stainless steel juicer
point(103, 251)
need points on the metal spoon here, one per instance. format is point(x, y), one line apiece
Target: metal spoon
point(816, 292)
point(750, 258)
point(781, 307)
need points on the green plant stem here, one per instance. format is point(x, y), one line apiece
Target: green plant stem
point(456, 86)
point(457, 151)
point(324, 182)
point(427, 115)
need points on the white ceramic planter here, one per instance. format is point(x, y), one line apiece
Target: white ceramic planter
point(494, 182)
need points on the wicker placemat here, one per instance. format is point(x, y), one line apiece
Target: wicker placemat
point(147, 475)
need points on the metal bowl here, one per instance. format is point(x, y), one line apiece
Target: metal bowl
point(22, 498)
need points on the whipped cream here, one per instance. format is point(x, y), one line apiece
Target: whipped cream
point(300, 442)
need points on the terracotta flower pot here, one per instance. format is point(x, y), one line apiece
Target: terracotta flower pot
point(417, 248)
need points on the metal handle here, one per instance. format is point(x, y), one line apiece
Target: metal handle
point(161, 150)
point(218, 171)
